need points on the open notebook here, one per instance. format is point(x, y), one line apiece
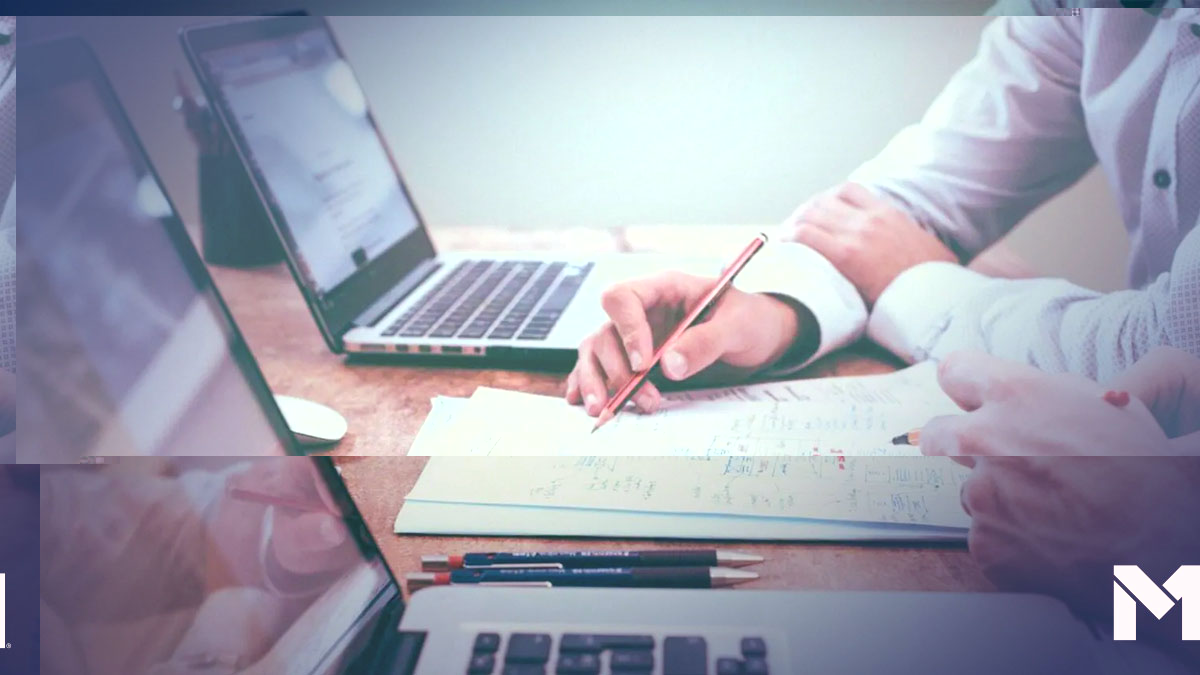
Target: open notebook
point(807, 459)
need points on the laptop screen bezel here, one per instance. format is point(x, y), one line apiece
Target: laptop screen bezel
point(337, 311)
point(54, 63)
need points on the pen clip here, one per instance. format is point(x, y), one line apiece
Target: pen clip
point(528, 584)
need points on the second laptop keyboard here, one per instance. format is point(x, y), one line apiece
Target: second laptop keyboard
point(493, 299)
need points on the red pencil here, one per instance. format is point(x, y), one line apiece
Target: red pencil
point(623, 395)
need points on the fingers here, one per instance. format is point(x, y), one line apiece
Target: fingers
point(831, 215)
point(626, 305)
point(696, 349)
point(950, 436)
point(601, 370)
point(970, 378)
point(856, 195)
point(821, 241)
point(613, 361)
point(572, 394)
point(590, 378)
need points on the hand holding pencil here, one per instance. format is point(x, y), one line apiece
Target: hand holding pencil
point(739, 334)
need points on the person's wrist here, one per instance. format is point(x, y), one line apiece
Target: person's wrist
point(796, 338)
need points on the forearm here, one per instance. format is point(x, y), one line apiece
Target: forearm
point(935, 309)
point(1004, 135)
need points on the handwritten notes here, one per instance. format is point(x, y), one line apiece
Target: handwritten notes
point(836, 416)
point(912, 490)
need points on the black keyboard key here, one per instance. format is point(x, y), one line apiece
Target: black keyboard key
point(481, 664)
point(524, 669)
point(753, 646)
point(574, 642)
point(755, 666)
point(583, 663)
point(728, 666)
point(628, 659)
point(487, 642)
point(528, 648)
point(583, 642)
point(685, 656)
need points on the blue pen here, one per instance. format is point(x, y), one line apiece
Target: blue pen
point(564, 559)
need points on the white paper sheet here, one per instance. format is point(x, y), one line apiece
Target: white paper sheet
point(913, 490)
point(837, 416)
point(437, 424)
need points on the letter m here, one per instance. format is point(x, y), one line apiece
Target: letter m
point(1185, 582)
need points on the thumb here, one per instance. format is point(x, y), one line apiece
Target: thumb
point(696, 349)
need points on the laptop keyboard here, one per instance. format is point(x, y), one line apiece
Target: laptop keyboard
point(589, 654)
point(493, 299)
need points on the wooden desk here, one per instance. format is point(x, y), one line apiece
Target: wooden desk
point(386, 404)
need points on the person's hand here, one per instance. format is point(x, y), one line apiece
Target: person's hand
point(1167, 381)
point(743, 334)
point(869, 241)
point(1014, 409)
point(1057, 525)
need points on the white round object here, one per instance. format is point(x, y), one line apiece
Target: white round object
point(311, 423)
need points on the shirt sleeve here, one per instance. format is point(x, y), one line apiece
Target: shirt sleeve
point(800, 274)
point(937, 308)
point(1006, 133)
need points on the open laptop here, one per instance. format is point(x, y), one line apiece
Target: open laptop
point(126, 347)
point(173, 565)
point(353, 237)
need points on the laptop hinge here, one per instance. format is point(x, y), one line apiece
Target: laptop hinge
point(378, 309)
point(408, 650)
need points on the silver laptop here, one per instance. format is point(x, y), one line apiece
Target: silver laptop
point(353, 237)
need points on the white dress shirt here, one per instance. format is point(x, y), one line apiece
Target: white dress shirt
point(1044, 99)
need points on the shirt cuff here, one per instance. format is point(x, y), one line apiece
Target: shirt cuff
point(915, 310)
point(799, 273)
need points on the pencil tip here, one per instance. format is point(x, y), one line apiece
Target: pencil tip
point(902, 439)
point(602, 419)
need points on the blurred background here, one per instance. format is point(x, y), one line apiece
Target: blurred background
point(543, 122)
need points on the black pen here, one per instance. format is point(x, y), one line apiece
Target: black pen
point(584, 559)
point(638, 577)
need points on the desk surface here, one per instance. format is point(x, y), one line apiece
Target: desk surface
point(385, 406)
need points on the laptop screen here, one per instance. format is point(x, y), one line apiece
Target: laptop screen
point(301, 123)
point(208, 565)
point(304, 119)
point(125, 346)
